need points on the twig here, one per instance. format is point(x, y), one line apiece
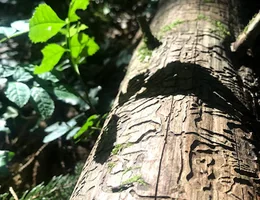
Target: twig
point(247, 38)
point(13, 193)
point(32, 158)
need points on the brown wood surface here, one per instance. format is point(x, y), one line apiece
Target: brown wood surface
point(182, 125)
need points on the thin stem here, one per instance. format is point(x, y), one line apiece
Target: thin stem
point(75, 66)
point(12, 36)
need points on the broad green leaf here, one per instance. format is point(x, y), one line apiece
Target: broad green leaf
point(64, 94)
point(88, 124)
point(92, 47)
point(21, 75)
point(43, 102)
point(52, 54)
point(17, 92)
point(75, 5)
point(44, 24)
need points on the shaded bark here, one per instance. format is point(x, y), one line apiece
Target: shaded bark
point(183, 124)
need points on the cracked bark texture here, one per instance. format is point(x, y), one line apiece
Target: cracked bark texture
point(183, 124)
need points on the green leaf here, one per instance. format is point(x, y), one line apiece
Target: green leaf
point(75, 5)
point(48, 76)
point(92, 47)
point(6, 71)
point(17, 92)
point(75, 46)
point(11, 112)
point(72, 133)
point(66, 95)
point(44, 24)
point(21, 75)
point(82, 41)
point(52, 54)
point(43, 102)
point(89, 123)
point(74, 29)
point(57, 130)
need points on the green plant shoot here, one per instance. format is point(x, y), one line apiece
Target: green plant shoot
point(45, 24)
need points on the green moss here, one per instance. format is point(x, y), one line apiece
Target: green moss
point(221, 28)
point(171, 26)
point(144, 53)
point(130, 169)
point(120, 147)
point(135, 179)
point(111, 165)
point(246, 28)
point(202, 17)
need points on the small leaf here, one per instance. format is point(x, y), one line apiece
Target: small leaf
point(44, 24)
point(11, 112)
point(52, 54)
point(82, 41)
point(21, 75)
point(75, 46)
point(6, 71)
point(92, 47)
point(3, 127)
point(5, 158)
point(48, 76)
point(75, 5)
point(17, 92)
point(93, 92)
point(3, 82)
point(72, 133)
point(63, 128)
point(89, 123)
point(7, 31)
point(43, 102)
point(65, 94)
point(21, 25)
point(74, 30)
point(59, 129)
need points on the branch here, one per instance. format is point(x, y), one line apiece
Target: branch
point(247, 38)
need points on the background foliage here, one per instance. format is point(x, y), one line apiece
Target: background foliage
point(54, 96)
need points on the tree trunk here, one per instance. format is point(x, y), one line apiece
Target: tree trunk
point(183, 124)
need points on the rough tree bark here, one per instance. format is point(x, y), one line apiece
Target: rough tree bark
point(183, 124)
